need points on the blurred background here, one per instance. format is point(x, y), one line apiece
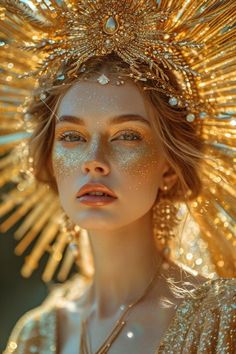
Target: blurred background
point(17, 294)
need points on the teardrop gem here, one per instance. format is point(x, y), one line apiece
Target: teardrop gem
point(111, 25)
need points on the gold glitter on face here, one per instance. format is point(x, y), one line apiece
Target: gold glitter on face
point(133, 158)
point(126, 157)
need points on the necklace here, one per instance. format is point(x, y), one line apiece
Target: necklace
point(85, 346)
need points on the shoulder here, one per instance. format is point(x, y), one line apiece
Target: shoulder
point(216, 293)
point(219, 295)
point(220, 287)
point(204, 293)
point(214, 308)
point(36, 330)
point(33, 331)
point(205, 321)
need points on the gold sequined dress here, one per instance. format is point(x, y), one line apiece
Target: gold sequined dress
point(204, 322)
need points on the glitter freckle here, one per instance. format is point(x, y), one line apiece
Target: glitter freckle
point(136, 161)
point(65, 163)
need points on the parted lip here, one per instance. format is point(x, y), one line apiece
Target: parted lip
point(95, 187)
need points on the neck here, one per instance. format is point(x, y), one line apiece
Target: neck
point(125, 261)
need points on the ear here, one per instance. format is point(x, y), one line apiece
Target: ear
point(169, 177)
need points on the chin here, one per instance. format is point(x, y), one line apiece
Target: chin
point(93, 224)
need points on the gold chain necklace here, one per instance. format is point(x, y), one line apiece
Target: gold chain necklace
point(85, 348)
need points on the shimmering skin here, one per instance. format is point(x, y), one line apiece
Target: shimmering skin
point(132, 169)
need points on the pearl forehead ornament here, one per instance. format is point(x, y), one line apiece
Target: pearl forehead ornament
point(173, 101)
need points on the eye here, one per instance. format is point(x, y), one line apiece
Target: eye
point(130, 136)
point(70, 137)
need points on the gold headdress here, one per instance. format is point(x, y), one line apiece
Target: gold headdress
point(193, 39)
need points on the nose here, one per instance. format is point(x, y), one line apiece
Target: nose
point(95, 167)
point(94, 162)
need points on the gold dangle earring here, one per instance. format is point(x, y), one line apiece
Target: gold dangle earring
point(72, 233)
point(78, 250)
point(164, 221)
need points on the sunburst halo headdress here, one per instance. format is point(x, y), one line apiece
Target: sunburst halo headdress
point(193, 39)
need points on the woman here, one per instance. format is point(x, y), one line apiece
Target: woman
point(104, 126)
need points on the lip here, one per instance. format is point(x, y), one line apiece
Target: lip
point(95, 200)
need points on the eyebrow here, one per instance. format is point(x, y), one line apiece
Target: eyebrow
point(114, 120)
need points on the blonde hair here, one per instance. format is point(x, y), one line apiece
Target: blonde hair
point(181, 144)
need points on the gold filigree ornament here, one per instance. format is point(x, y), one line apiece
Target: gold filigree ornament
point(194, 39)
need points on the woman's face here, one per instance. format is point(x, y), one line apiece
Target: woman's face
point(114, 145)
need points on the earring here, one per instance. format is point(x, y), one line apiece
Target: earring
point(164, 221)
point(72, 231)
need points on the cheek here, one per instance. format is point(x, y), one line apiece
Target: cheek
point(142, 161)
point(141, 171)
point(65, 161)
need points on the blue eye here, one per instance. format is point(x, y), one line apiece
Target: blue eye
point(131, 134)
point(69, 137)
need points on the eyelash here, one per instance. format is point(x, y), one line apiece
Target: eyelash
point(63, 136)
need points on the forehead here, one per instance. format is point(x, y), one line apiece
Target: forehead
point(88, 99)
